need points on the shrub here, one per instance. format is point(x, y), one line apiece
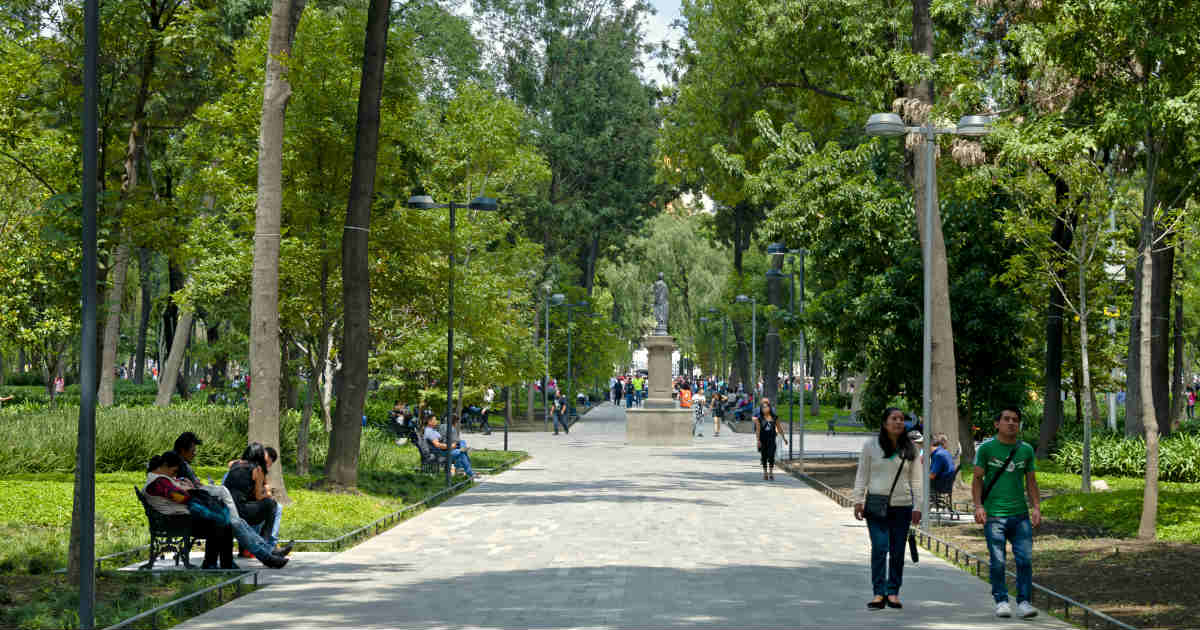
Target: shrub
point(1178, 459)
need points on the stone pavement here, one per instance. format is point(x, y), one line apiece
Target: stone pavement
point(593, 533)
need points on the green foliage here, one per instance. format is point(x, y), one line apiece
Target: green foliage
point(1179, 457)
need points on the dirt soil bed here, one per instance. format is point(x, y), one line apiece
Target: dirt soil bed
point(1140, 583)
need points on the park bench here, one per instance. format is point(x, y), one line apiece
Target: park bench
point(431, 462)
point(399, 431)
point(941, 497)
point(167, 533)
point(844, 420)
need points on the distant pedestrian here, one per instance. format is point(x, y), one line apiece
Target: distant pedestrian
point(560, 413)
point(1191, 406)
point(1005, 473)
point(883, 494)
point(628, 393)
point(766, 427)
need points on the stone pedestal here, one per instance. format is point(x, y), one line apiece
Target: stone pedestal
point(660, 422)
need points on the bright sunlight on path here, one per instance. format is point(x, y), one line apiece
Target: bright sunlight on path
point(593, 533)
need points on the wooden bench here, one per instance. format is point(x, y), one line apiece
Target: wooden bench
point(168, 532)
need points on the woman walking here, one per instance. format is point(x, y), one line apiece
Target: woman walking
point(888, 478)
point(766, 426)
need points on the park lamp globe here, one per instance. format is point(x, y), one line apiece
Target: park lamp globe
point(886, 125)
point(742, 298)
point(557, 298)
point(974, 126)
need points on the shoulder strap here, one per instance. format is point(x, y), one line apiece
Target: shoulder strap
point(1003, 467)
point(895, 479)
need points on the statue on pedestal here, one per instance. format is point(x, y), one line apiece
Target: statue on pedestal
point(661, 306)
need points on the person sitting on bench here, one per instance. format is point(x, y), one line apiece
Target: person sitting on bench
point(457, 455)
point(211, 519)
point(247, 483)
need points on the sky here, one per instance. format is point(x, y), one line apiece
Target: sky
point(658, 28)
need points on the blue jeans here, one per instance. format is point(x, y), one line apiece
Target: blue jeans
point(1018, 530)
point(560, 419)
point(888, 538)
point(628, 401)
point(458, 457)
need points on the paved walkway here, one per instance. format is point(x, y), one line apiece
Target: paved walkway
point(593, 533)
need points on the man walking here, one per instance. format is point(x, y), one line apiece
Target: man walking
point(1005, 477)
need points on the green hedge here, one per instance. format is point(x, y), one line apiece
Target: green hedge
point(1178, 457)
point(43, 441)
point(125, 394)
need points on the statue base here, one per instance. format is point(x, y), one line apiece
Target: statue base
point(658, 426)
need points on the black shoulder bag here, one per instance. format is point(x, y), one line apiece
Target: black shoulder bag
point(1003, 467)
point(877, 504)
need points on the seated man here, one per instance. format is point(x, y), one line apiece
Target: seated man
point(941, 466)
point(457, 454)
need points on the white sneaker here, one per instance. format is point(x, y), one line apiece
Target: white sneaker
point(1026, 610)
point(1003, 609)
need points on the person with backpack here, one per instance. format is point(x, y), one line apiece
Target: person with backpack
point(888, 479)
point(1008, 505)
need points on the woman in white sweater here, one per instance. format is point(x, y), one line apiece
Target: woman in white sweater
point(889, 469)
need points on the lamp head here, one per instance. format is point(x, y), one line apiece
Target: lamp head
point(974, 126)
point(557, 299)
point(703, 320)
point(886, 125)
point(776, 249)
point(421, 202)
point(487, 204)
point(775, 273)
point(742, 298)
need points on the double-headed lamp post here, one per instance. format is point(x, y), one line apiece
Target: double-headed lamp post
point(753, 341)
point(425, 202)
point(892, 125)
point(703, 331)
point(724, 323)
point(779, 249)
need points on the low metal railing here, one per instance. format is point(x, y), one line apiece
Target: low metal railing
point(1052, 601)
point(220, 588)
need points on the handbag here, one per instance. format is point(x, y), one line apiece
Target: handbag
point(877, 504)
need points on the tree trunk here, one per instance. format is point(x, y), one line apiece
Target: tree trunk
point(327, 384)
point(1133, 361)
point(264, 301)
point(1052, 385)
point(290, 394)
point(944, 404)
point(112, 325)
point(1178, 393)
point(1160, 336)
point(167, 374)
point(139, 366)
point(342, 465)
point(1148, 525)
point(305, 421)
point(220, 365)
point(741, 357)
point(1085, 370)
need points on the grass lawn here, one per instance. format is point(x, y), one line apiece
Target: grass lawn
point(36, 523)
point(1085, 547)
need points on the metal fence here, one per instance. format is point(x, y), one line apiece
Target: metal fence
point(221, 588)
point(1052, 601)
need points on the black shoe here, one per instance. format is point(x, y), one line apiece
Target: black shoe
point(876, 605)
point(894, 604)
point(232, 566)
point(208, 567)
point(285, 550)
point(275, 561)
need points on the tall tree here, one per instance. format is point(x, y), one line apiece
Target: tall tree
point(264, 300)
point(342, 464)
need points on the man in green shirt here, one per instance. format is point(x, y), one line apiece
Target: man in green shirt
point(1008, 467)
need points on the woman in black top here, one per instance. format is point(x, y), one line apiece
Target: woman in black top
point(766, 426)
point(247, 483)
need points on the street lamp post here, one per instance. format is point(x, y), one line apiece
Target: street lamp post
point(570, 369)
point(425, 202)
point(892, 125)
point(753, 341)
point(704, 320)
point(551, 300)
point(779, 249)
